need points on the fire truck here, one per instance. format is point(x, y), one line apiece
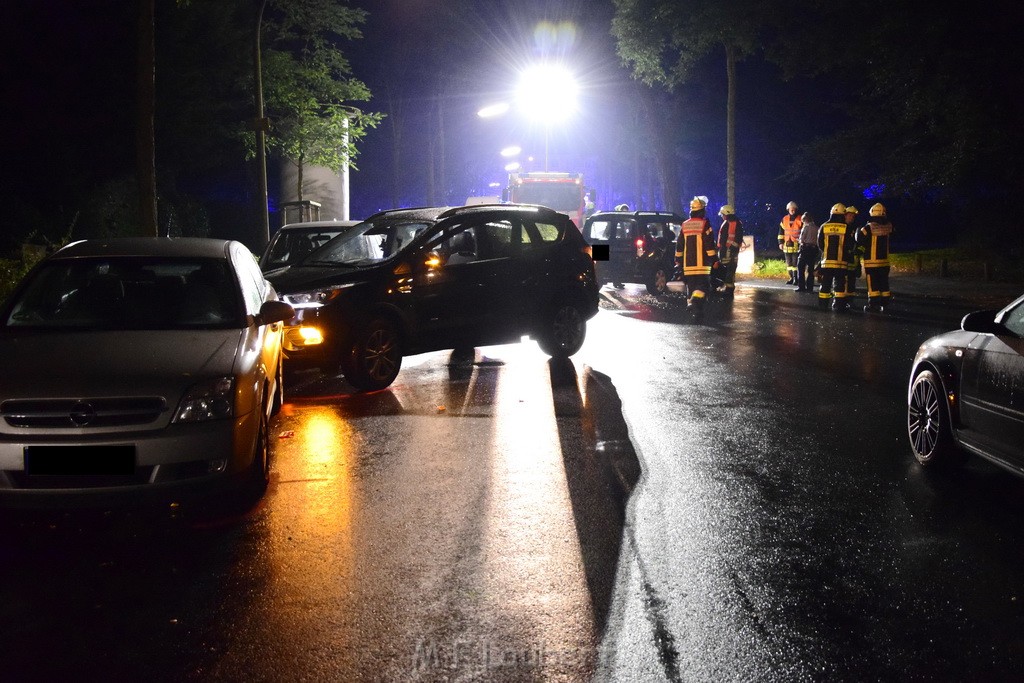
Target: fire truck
point(563, 192)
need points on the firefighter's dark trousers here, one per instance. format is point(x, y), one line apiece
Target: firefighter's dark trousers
point(878, 285)
point(833, 284)
point(806, 261)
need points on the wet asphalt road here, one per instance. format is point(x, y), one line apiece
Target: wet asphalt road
point(732, 499)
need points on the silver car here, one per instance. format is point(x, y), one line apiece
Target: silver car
point(138, 365)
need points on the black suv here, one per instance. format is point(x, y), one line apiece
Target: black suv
point(413, 280)
point(640, 246)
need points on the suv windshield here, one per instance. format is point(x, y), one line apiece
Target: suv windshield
point(368, 243)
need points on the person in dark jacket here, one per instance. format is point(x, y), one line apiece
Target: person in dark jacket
point(730, 243)
point(807, 259)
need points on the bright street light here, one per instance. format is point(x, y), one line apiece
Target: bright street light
point(511, 151)
point(547, 93)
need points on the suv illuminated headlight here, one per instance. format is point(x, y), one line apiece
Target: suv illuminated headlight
point(315, 298)
point(210, 400)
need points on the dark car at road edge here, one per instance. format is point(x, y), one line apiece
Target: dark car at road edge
point(966, 393)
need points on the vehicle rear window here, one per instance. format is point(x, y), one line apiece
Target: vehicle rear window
point(612, 229)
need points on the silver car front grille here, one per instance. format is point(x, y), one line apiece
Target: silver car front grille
point(79, 413)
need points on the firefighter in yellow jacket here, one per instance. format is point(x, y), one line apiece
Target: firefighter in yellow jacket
point(836, 241)
point(874, 239)
point(789, 240)
point(696, 254)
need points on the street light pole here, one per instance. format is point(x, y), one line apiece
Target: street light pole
point(547, 134)
point(260, 125)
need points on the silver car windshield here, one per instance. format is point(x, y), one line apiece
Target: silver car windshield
point(367, 243)
point(129, 293)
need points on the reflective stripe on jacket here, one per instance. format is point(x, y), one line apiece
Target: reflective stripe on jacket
point(695, 247)
point(836, 243)
point(874, 237)
point(789, 233)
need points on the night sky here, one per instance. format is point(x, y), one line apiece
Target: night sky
point(68, 94)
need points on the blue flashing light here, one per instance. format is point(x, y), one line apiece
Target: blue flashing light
point(874, 191)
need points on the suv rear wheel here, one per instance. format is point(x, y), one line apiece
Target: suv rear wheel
point(564, 332)
point(376, 356)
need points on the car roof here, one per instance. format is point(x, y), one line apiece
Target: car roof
point(314, 225)
point(636, 214)
point(498, 209)
point(424, 212)
point(443, 212)
point(195, 247)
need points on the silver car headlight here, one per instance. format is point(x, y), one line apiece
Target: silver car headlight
point(210, 400)
point(315, 298)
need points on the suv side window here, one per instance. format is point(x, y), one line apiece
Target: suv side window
point(498, 236)
point(535, 232)
point(464, 242)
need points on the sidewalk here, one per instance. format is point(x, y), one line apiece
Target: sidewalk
point(968, 292)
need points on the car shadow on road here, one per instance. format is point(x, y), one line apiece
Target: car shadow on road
point(601, 469)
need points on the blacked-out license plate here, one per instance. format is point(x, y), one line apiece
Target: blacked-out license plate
point(79, 460)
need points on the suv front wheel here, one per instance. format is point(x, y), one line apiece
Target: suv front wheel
point(564, 332)
point(375, 357)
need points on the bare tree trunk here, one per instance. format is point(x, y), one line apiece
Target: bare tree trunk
point(260, 125)
point(730, 126)
point(664, 151)
point(299, 164)
point(145, 137)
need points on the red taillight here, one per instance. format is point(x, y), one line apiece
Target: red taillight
point(640, 243)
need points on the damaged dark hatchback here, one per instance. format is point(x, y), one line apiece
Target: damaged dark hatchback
point(408, 281)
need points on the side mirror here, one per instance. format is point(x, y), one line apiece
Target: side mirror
point(274, 312)
point(983, 322)
point(433, 260)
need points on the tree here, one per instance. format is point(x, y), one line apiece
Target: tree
point(663, 40)
point(923, 117)
point(145, 137)
point(309, 86)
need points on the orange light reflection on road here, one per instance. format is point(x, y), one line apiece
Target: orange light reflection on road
point(311, 552)
point(325, 465)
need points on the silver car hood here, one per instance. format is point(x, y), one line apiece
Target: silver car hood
point(133, 363)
